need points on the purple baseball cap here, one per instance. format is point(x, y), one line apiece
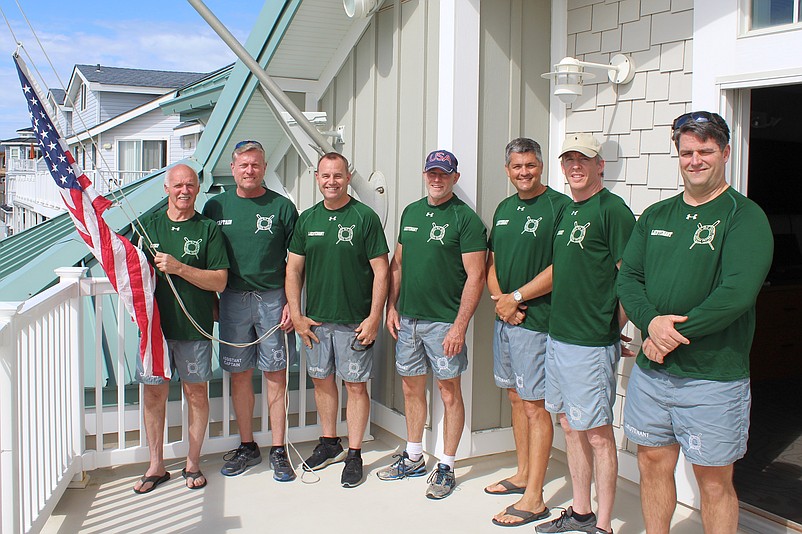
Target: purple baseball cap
point(441, 159)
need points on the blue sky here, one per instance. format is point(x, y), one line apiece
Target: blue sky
point(147, 34)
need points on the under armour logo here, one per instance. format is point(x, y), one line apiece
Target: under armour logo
point(689, 216)
point(175, 228)
point(575, 212)
point(520, 208)
point(429, 214)
point(333, 218)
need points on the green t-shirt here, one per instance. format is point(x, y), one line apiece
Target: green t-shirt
point(588, 242)
point(521, 241)
point(257, 232)
point(338, 246)
point(434, 238)
point(707, 262)
point(196, 242)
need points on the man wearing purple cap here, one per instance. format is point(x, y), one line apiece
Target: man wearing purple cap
point(444, 264)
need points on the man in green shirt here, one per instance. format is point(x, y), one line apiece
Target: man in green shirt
point(689, 280)
point(190, 248)
point(442, 270)
point(584, 331)
point(519, 279)
point(257, 224)
point(340, 250)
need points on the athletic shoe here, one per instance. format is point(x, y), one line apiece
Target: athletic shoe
point(403, 467)
point(441, 482)
point(324, 455)
point(239, 459)
point(282, 470)
point(567, 522)
point(352, 472)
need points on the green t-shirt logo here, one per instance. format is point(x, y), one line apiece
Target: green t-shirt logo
point(191, 247)
point(530, 226)
point(264, 224)
point(345, 233)
point(578, 234)
point(705, 234)
point(438, 233)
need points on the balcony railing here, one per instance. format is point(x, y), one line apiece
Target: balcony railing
point(54, 428)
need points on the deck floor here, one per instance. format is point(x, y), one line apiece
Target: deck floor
point(254, 502)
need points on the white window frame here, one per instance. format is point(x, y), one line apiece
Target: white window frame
point(82, 96)
point(746, 21)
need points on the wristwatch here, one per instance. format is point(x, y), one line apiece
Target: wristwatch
point(517, 297)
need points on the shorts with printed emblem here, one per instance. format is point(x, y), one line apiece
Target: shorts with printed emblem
point(335, 352)
point(519, 360)
point(190, 361)
point(244, 317)
point(580, 382)
point(709, 419)
point(420, 347)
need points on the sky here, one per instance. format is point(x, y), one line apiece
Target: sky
point(146, 34)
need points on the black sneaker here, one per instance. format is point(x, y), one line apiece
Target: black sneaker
point(352, 472)
point(239, 459)
point(324, 455)
point(282, 470)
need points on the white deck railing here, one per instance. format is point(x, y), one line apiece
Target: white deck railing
point(45, 424)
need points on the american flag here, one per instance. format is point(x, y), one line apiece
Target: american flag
point(126, 266)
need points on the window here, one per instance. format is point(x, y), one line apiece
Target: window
point(135, 158)
point(82, 97)
point(769, 13)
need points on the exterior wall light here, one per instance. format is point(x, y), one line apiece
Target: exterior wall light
point(569, 75)
point(359, 9)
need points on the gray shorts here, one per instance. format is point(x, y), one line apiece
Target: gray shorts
point(244, 317)
point(519, 360)
point(709, 419)
point(190, 361)
point(580, 382)
point(420, 347)
point(335, 352)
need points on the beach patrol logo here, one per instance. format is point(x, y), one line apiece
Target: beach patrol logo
point(345, 233)
point(193, 368)
point(695, 442)
point(191, 248)
point(438, 233)
point(574, 413)
point(442, 363)
point(704, 235)
point(578, 234)
point(278, 354)
point(519, 381)
point(264, 224)
point(530, 226)
point(353, 368)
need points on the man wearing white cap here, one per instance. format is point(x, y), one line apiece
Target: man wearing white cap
point(584, 333)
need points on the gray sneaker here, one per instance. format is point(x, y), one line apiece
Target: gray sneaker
point(568, 523)
point(239, 459)
point(441, 482)
point(403, 467)
point(282, 470)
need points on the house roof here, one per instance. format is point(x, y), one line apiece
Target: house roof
point(138, 77)
point(58, 95)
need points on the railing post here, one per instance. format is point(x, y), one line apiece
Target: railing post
point(10, 516)
point(74, 275)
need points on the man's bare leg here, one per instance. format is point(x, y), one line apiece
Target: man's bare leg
point(414, 406)
point(719, 500)
point(580, 465)
point(327, 401)
point(155, 400)
point(658, 490)
point(198, 415)
point(605, 461)
point(520, 434)
point(276, 395)
point(357, 412)
point(454, 413)
point(243, 400)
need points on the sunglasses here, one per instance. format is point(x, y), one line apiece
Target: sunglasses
point(249, 142)
point(695, 116)
point(357, 345)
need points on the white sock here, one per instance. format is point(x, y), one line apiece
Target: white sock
point(447, 460)
point(414, 451)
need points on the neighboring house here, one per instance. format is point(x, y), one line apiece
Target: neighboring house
point(466, 76)
point(115, 129)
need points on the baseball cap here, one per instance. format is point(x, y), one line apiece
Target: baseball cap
point(583, 143)
point(441, 159)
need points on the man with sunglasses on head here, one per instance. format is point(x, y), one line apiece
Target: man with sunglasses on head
point(584, 333)
point(689, 280)
point(434, 290)
point(340, 251)
point(257, 224)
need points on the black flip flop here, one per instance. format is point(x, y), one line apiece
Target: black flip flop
point(526, 517)
point(193, 475)
point(154, 480)
point(509, 488)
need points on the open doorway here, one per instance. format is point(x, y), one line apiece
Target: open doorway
point(769, 477)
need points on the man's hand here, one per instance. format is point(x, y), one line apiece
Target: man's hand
point(303, 326)
point(367, 330)
point(508, 310)
point(286, 319)
point(651, 351)
point(664, 335)
point(454, 341)
point(166, 263)
point(393, 321)
point(626, 351)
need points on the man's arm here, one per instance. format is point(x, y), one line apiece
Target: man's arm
point(368, 328)
point(506, 307)
point(293, 284)
point(207, 279)
point(474, 264)
point(393, 320)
